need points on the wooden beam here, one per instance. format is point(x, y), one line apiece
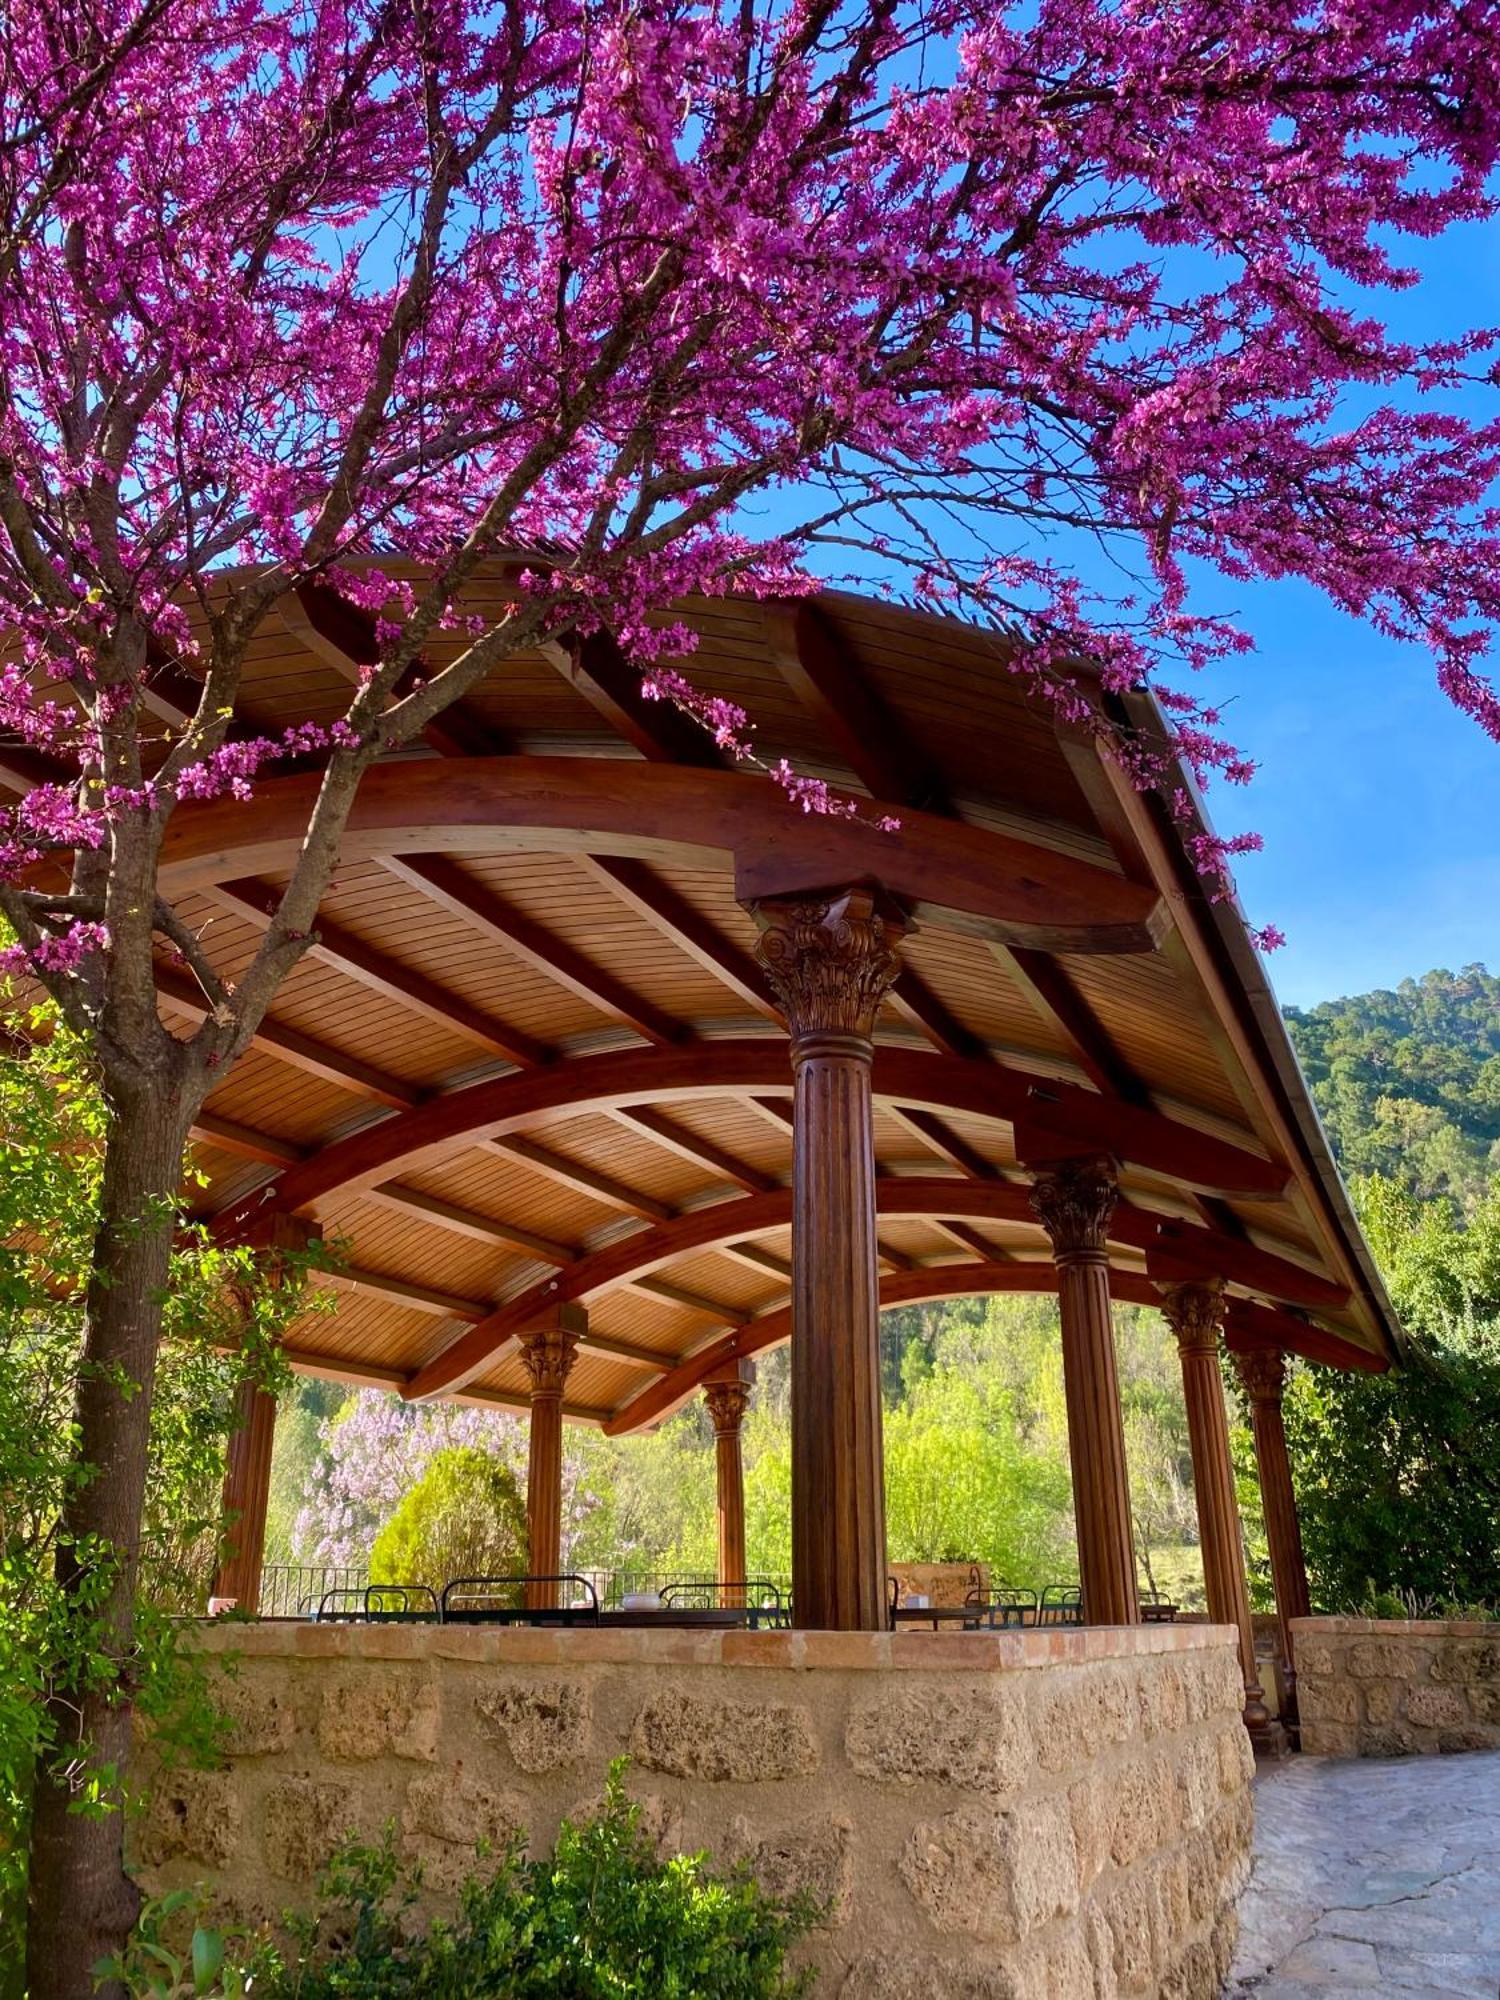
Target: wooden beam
point(469, 1222)
point(731, 1224)
point(703, 1152)
point(656, 1359)
point(582, 1179)
point(674, 917)
point(597, 669)
point(232, 1137)
point(1067, 1116)
point(344, 636)
point(898, 1260)
point(757, 1258)
point(1248, 1326)
point(403, 1291)
point(443, 882)
point(1058, 1002)
point(968, 878)
point(257, 902)
point(912, 998)
point(971, 1240)
point(303, 1052)
point(940, 1137)
point(679, 1295)
point(851, 716)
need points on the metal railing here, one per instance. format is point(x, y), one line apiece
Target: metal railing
point(295, 1590)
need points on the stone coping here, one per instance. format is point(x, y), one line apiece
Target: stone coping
point(522, 1645)
point(1412, 1628)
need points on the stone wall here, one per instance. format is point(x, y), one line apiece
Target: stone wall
point(1389, 1687)
point(996, 1816)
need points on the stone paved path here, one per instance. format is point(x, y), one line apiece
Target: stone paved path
point(1374, 1877)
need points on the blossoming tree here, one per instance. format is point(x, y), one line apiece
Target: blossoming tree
point(570, 281)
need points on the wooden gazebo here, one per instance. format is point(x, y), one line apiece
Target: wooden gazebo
point(612, 1067)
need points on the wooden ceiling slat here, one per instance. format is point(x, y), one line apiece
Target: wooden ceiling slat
point(596, 668)
point(574, 1173)
point(703, 1152)
point(675, 918)
point(447, 884)
point(469, 1222)
point(258, 901)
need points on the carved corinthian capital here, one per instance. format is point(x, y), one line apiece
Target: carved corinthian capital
point(831, 959)
point(727, 1403)
point(1074, 1203)
point(1195, 1313)
point(547, 1356)
point(1262, 1373)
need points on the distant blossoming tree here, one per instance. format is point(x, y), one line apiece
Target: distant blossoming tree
point(569, 282)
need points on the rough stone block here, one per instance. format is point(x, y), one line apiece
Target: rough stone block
point(1436, 1708)
point(1386, 1659)
point(448, 1816)
point(1329, 1739)
point(1485, 1702)
point(1468, 1660)
point(691, 1737)
point(1395, 1741)
point(1089, 1811)
point(302, 1822)
point(1161, 1697)
point(1236, 1758)
point(545, 1725)
point(996, 1875)
point(659, 1819)
point(1319, 1657)
point(1074, 1717)
point(814, 1858)
point(883, 1975)
point(1451, 1741)
point(1383, 1700)
point(192, 1815)
point(260, 1715)
point(1328, 1699)
point(370, 1714)
point(979, 1740)
point(1138, 1796)
point(1193, 1976)
point(1129, 1910)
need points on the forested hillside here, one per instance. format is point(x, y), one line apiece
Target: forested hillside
point(1408, 1082)
point(1398, 1475)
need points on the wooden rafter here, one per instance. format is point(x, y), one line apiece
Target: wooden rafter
point(689, 1300)
point(446, 884)
point(256, 903)
point(971, 1239)
point(469, 1222)
point(677, 1138)
point(343, 635)
point(1057, 1000)
point(230, 1136)
point(580, 1177)
point(404, 1291)
point(597, 669)
point(304, 1052)
point(675, 919)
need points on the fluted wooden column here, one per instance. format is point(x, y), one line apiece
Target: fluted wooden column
point(1262, 1373)
point(831, 959)
point(1074, 1202)
point(1195, 1313)
point(247, 1490)
point(547, 1353)
point(726, 1395)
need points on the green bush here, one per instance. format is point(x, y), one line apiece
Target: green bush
point(604, 1918)
point(464, 1517)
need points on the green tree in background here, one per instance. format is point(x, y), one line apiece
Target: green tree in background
point(464, 1517)
point(1398, 1475)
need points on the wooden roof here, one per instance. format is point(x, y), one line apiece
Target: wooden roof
point(532, 1056)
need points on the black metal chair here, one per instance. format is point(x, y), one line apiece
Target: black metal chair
point(758, 1597)
point(402, 1604)
point(350, 1611)
point(1061, 1604)
point(1007, 1609)
point(501, 1600)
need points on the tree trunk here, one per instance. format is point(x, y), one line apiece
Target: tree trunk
point(82, 1904)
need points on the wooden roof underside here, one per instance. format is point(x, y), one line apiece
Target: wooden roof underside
point(532, 1055)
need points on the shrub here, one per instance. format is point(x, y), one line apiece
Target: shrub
point(604, 1918)
point(464, 1517)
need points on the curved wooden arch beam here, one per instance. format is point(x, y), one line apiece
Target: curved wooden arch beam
point(1072, 1118)
point(1201, 1251)
point(991, 884)
point(1249, 1326)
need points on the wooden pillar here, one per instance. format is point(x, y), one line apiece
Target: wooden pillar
point(1262, 1373)
point(1195, 1313)
point(247, 1476)
point(726, 1394)
point(547, 1352)
point(247, 1489)
point(831, 959)
point(1074, 1202)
